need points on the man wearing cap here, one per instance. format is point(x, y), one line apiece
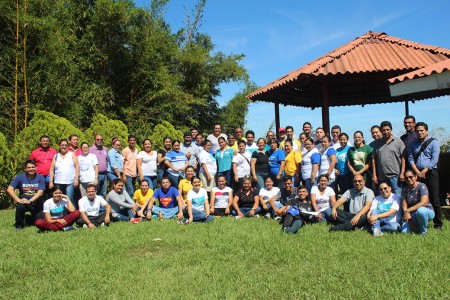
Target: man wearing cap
point(281, 134)
point(190, 150)
point(296, 145)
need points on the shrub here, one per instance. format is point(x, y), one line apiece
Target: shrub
point(108, 128)
point(161, 131)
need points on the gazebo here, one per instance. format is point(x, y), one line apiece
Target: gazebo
point(356, 73)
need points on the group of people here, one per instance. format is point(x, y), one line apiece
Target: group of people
point(389, 185)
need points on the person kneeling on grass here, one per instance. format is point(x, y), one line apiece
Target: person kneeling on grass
point(246, 201)
point(297, 211)
point(417, 209)
point(170, 202)
point(59, 212)
point(360, 199)
point(123, 208)
point(142, 197)
point(197, 204)
point(89, 205)
point(384, 214)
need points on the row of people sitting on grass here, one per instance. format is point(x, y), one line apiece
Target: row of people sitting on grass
point(291, 206)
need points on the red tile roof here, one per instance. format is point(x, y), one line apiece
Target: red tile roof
point(372, 57)
point(436, 68)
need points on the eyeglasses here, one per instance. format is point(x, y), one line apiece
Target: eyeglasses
point(384, 189)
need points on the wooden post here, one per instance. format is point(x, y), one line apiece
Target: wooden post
point(325, 108)
point(277, 117)
point(406, 108)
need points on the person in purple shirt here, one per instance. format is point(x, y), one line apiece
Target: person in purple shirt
point(102, 156)
point(423, 156)
point(170, 202)
point(31, 187)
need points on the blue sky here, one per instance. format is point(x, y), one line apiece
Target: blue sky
point(280, 36)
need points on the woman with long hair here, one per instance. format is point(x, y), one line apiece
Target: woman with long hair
point(260, 164)
point(88, 163)
point(358, 156)
point(147, 164)
point(310, 164)
point(323, 198)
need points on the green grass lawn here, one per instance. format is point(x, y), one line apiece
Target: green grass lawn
point(226, 259)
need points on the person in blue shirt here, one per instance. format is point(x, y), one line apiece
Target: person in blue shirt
point(224, 157)
point(170, 203)
point(276, 162)
point(176, 162)
point(31, 187)
point(423, 156)
point(343, 175)
point(115, 160)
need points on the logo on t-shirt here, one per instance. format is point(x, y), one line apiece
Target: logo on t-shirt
point(165, 201)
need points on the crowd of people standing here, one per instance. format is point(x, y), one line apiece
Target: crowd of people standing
point(389, 185)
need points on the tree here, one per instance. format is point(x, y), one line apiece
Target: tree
point(108, 128)
point(43, 123)
point(165, 129)
point(234, 113)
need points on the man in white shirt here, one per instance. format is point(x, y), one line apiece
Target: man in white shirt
point(90, 209)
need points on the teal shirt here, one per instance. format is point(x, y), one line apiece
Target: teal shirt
point(224, 159)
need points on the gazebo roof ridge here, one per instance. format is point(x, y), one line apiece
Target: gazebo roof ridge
point(379, 52)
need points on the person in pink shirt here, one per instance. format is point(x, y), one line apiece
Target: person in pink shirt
point(43, 157)
point(73, 145)
point(129, 155)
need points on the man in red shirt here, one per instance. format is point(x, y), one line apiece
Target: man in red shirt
point(43, 157)
point(73, 145)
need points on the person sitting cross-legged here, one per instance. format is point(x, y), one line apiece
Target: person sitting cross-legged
point(142, 197)
point(246, 201)
point(360, 199)
point(384, 214)
point(170, 202)
point(122, 207)
point(59, 212)
point(197, 208)
point(91, 213)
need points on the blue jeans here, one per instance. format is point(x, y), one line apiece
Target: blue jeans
point(260, 180)
point(151, 181)
point(294, 227)
point(345, 183)
point(278, 205)
point(386, 226)
point(102, 186)
point(129, 185)
point(123, 215)
point(167, 213)
point(227, 175)
point(174, 180)
point(396, 186)
point(420, 218)
point(111, 176)
point(309, 185)
point(69, 191)
point(197, 216)
point(326, 215)
point(246, 211)
point(161, 173)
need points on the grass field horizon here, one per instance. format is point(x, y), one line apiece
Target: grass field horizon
point(225, 259)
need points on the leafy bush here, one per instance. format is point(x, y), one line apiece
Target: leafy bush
point(161, 131)
point(43, 123)
point(108, 128)
point(6, 171)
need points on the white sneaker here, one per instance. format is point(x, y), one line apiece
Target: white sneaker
point(85, 226)
point(267, 216)
point(237, 217)
point(377, 232)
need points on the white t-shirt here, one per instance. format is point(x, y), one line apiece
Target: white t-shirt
point(56, 210)
point(206, 158)
point(198, 198)
point(64, 168)
point(149, 162)
point(221, 196)
point(266, 194)
point(87, 167)
point(325, 162)
point(381, 205)
point(91, 208)
point(243, 163)
point(323, 200)
point(215, 141)
point(251, 148)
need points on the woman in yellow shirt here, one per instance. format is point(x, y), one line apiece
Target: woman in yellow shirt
point(293, 162)
point(185, 184)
